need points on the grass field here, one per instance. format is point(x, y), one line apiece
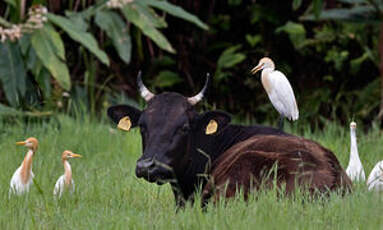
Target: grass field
point(109, 196)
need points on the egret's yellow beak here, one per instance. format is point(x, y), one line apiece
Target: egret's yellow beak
point(74, 155)
point(257, 68)
point(21, 143)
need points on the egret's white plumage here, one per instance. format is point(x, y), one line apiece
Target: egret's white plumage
point(375, 179)
point(355, 168)
point(60, 186)
point(278, 89)
point(65, 182)
point(23, 176)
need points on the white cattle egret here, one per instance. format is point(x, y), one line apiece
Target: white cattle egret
point(65, 182)
point(375, 179)
point(22, 178)
point(355, 168)
point(278, 89)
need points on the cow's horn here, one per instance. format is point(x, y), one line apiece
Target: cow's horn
point(197, 98)
point(145, 93)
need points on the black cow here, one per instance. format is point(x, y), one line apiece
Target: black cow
point(180, 145)
point(176, 148)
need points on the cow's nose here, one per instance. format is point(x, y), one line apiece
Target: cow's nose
point(144, 166)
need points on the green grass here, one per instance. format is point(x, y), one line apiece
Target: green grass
point(109, 196)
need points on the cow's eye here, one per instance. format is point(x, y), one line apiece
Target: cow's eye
point(185, 128)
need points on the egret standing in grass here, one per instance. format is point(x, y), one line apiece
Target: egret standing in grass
point(375, 179)
point(278, 89)
point(22, 178)
point(65, 182)
point(355, 168)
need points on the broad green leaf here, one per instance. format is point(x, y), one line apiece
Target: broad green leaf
point(146, 26)
point(12, 72)
point(9, 111)
point(175, 11)
point(32, 61)
point(357, 62)
point(56, 41)
point(25, 43)
point(153, 17)
point(253, 40)
point(38, 2)
point(4, 22)
point(12, 2)
point(164, 61)
point(296, 32)
point(337, 56)
point(317, 7)
point(230, 57)
point(234, 2)
point(220, 75)
point(117, 30)
point(87, 13)
point(44, 45)
point(78, 19)
point(40, 73)
point(353, 1)
point(362, 14)
point(76, 33)
point(43, 80)
point(167, 79)
point(296, 4)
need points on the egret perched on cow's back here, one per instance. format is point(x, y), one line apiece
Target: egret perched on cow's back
point(65, 182)
point(278, 89)
point(22, 178)
point(355, 168)
point(375, 179)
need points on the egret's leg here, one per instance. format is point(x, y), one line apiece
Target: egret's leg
point(280, 124)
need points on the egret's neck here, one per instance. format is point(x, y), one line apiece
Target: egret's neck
point(265, 80)
point(354, 156)
point(67, 173)
point(267, 70)
point(26, 167)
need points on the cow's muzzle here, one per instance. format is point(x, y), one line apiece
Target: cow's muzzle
point(153, 171)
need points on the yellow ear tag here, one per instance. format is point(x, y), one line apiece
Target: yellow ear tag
point(124, 123)
point(211, 127)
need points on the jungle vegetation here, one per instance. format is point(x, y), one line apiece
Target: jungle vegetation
point(56, 54)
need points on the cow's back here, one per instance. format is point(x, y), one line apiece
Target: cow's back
point(252, 163)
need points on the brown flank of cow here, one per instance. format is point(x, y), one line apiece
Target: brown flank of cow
point(250, 164)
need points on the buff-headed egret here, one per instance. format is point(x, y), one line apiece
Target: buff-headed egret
point(375, 179)
point(355, 168)
point(65, 182)
point(278, 89)
point(23, 176)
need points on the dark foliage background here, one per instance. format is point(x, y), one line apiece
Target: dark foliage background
point(330, 56)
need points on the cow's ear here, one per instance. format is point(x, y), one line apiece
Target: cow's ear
point(124, 115)
point(213, 121)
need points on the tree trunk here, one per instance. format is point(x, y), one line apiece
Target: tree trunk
point(380, 115)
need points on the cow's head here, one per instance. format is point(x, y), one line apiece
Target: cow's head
point(168, 126)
